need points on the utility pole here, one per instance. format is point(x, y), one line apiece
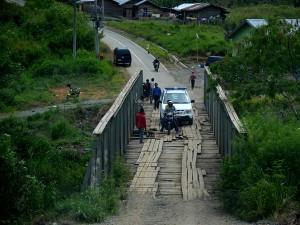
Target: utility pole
point(96, 30)
point(74, 31)
point(197, 37)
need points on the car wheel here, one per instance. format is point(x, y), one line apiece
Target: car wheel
point(191, 122)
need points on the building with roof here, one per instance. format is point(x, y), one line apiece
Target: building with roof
point(246, 28)
point(200, 11)
point(135, 9)
point(132, 9)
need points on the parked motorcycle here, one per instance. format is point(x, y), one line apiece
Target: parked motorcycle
point(156, 66)
point(73, 92)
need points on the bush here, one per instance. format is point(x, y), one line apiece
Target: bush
point(263, 176)
point(94, 204)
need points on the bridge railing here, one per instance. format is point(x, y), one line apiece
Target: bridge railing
point(113, 132)
point(225, 122)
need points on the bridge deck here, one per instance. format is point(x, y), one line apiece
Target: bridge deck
point(186, 164)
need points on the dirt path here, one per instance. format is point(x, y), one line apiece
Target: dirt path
point(62, 106)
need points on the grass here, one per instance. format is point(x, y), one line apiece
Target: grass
point(42, 86)
point(178, 39)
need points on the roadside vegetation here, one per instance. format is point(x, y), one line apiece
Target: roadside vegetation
point(36, 57)
point(262, 80)
point(44, 157)
point(265, 11)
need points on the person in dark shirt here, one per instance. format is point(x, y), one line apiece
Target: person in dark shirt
point(156, 96)
point(170, 108)
point(192, 79)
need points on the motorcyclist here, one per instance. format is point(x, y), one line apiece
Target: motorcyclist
point(156, 61)
point(170, 108)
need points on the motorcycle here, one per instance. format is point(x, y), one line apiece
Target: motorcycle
point(73, 92)
point(156, 66)
point(169, 122)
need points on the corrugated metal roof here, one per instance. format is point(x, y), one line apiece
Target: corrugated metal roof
point(141, 2)
point(121, 2)
point(256, 22)
point(191, 6)
point(182, 6)
point(84, 1)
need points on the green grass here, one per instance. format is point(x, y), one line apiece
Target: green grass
point(178, 39)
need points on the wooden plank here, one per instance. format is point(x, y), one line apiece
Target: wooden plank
point(202, 183)
point(184, 175)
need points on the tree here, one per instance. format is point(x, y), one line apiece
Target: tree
point(267, 64)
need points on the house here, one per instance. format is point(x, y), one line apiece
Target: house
point(132, 9)
point(246, 28)
point(135, 9)
point(204, 12)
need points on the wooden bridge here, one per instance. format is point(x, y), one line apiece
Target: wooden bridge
point(185, 164)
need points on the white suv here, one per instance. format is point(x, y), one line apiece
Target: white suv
point(182, 102)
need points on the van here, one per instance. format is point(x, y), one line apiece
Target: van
point(122, 56)
point(212, 59)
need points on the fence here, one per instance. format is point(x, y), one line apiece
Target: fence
point(225, 123)
point(113, 132)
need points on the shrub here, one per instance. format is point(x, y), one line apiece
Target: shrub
point(94, 204)
point(263, 176)
point(61, 129)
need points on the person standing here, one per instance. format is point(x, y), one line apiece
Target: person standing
point(147, 89)
point(140, 122)
point(152, 86)
point(192, 79)
point(156, 96)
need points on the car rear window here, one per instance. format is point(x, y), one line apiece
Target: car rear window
point(123, 52)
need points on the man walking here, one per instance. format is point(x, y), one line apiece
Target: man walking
point(192, 79)
point(156, 96)
point(140, 122)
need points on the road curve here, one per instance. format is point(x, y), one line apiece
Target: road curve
point(140, 60)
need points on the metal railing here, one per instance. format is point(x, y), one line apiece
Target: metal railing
point(225, 123)
point(113, 132)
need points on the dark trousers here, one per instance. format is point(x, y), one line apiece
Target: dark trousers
point(193, 83)
point(156, 103)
